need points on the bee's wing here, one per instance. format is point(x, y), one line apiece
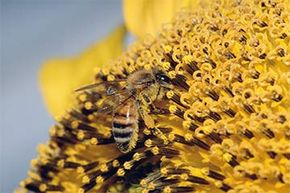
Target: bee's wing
point(111, 91)
point(99, 84)
point(115, 101)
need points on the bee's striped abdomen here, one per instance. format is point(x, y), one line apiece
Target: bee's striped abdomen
point(125, 126)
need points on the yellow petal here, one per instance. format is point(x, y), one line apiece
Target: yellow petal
point(147, 16)
point(59, 77)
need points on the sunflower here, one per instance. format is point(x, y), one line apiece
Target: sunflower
point(223, 126)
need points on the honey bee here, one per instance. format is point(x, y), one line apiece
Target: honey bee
point(131, 102)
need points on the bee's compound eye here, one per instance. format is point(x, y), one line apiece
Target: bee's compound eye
point(162, 78)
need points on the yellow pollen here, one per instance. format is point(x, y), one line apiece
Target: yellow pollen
point(94, 141)
point(188, 137)
point(172, 108)
point(155, 150)
point(111, 77)
point(88, 105)
point(75, 124)
point(104, 168)
point(163, 171)
point(170, 94)
point(137, 156)
point(184, 176)
point(166, 66)
point(86, 179)
point(105, 71)
point(186, 124)
point(146, 131)
point(171, 137)
point(81, 190)
point(42, 187)
point(167, 48)
point(91, 117)
point(60, 163)
point(145, 191)
point(97, 70)
point(80, 135)
point(151, 186)
point(128, 165)
point(148, 143)
point(147, 67)
point(121, 172)
point(80, 170)
point(167, 190)
point(171, 74)
point(227, 157)
point(83, 97)
point(116, 163)
point(143, 183)
point(187, 59)
point(99, 180)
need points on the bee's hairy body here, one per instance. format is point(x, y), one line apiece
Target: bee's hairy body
point(144, 89)
point(131, 102)
point(125, 126)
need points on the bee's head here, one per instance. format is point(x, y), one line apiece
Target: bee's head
point(162, 78)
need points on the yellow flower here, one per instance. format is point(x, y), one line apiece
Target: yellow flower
point(223, 126)
point(144, 17)
point(60, 77)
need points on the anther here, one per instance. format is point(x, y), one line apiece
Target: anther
point(197, 180)
point(211, 62)
point(215, 175)
point(201, 144)
point(175, 98)
point(214, 116)
point(215, 137)
point(249, 134)
point(249, 109)
point(180, 81)
point(269, 133)
point(213, 95)
point(175, 110)
point(168, 57)
point(230, 159)
point(225, 187)
point(230, 112)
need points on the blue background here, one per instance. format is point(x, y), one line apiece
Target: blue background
point(33, 31)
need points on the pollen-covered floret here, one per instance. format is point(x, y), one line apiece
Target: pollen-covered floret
point(224, 127)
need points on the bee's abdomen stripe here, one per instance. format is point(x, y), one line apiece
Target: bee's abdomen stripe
point(123, 130)
point(121, 125)
point(122, 139)
point(122, 134)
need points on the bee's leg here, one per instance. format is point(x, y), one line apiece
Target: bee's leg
point(143, 104)
point(148, 120)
